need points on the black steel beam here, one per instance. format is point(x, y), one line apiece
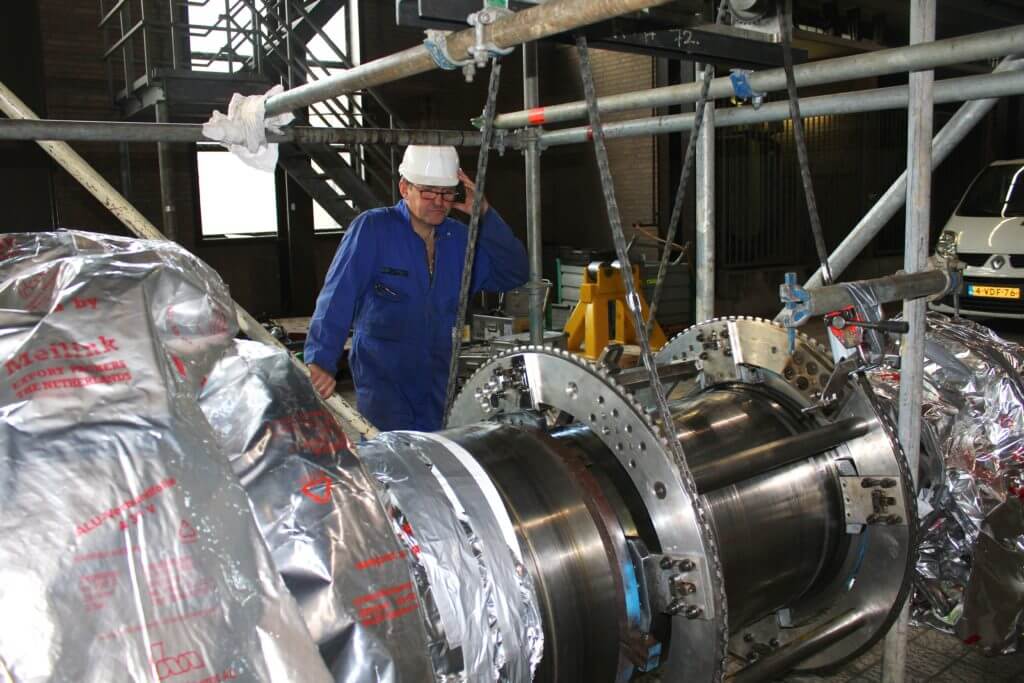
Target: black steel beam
point(667, 33)
point(700, 46)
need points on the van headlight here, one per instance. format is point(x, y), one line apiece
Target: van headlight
point(946, 247)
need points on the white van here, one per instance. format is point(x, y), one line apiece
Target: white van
point(986, 232)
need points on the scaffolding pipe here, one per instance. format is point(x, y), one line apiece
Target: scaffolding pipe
point(139, 225)
point(920, 118)
point(127, 131)
point(165, 165)
point(1008, 81)
point(541, 21)
point(535, 288)
point(955, 130)
point(959, 50)
point(705, 184)
point(886, 289)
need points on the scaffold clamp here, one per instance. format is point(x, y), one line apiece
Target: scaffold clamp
point(741, 87)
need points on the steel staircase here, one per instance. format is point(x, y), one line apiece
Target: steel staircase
point(192, 52)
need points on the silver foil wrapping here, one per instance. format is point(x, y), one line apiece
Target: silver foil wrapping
point(127, 547)
point(478, 598)
point(319, 513)
point(970, 569)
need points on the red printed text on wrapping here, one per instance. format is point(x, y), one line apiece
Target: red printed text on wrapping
point(125, 509)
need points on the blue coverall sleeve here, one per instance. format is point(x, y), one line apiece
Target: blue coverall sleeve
point(346, 283)
point(501, 263)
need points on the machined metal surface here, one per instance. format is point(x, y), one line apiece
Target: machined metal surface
point(568, 543)
point(741, 349)
point(869, 571)
point(562, 385)
point(795, 507)
point(799, 551)
point(763, 457)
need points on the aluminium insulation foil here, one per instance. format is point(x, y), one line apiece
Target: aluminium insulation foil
point(970, 568)
point(319, 513)
point(481, 606)
point(128, 550)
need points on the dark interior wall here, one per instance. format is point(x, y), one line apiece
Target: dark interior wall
point(574, 209)
point(24, 168)
point(52, 53)
point(54, 65)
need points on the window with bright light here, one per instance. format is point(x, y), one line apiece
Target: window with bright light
point(235, 200)
point(222, 36)
point(326, 54)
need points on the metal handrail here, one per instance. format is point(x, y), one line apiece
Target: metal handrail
point(251, 32)
point(349, 106)
point(347, 64)
point(110, 15)
point(124, 38)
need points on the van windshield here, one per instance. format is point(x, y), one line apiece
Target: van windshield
point(997, 192)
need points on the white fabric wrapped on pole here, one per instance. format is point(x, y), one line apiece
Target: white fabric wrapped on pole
point(244, 130)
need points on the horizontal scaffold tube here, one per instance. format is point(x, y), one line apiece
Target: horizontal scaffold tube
point(1009, 82)
point(959, 50)
point(882, 290)
point(892, 200)
point(545, 20)
point(129, 131)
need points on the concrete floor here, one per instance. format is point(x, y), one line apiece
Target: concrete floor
point(931, 656)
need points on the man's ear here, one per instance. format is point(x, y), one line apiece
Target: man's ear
point(403, 187)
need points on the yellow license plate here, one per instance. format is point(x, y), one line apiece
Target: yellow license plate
point(993, 292)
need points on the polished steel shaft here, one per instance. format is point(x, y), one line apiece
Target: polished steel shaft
point(779, 527)
point(565, 548)
point(777, 512)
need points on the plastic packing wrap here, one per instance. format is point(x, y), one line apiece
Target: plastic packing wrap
point(127, 547)
point(970, 568)
point(318, 511)
point(867, 306)
point(479, 599)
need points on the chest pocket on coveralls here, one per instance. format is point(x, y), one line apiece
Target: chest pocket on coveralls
point(387, 313)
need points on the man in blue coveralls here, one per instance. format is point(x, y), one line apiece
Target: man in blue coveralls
point(395, 281)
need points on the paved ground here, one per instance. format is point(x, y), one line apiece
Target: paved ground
point(931, 656)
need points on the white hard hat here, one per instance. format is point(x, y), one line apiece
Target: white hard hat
point(429, 165)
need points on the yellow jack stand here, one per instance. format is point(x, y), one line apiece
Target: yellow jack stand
point(588, 329)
